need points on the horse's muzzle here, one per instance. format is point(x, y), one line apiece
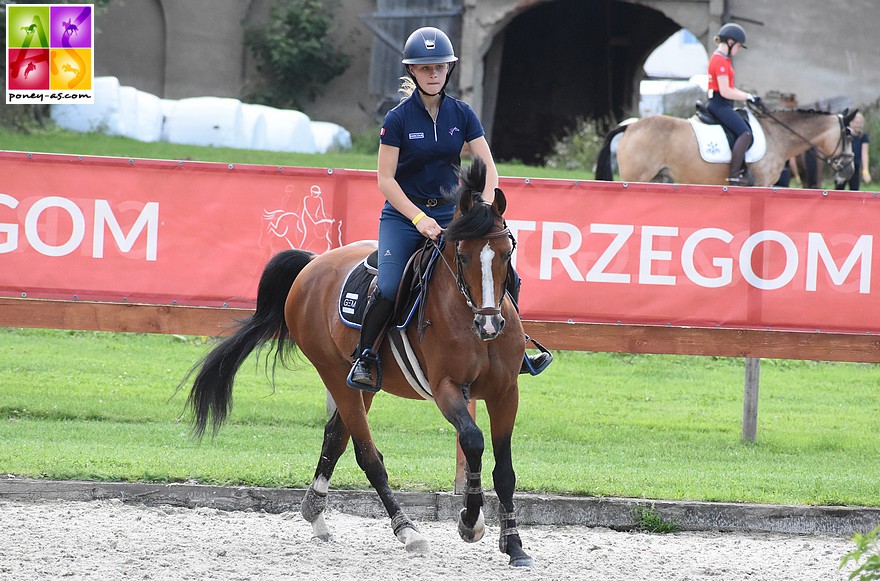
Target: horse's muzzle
point(843, 167)
point(488, 326)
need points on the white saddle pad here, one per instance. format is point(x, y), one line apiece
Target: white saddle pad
point(713, 142)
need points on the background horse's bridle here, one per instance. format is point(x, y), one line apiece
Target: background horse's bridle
point(837, 162)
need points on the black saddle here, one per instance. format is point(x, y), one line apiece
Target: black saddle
point(705, 116)
point(361, 280)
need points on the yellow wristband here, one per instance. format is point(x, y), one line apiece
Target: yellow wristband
point(418, 217)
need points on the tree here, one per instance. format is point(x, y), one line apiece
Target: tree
point(294, 53)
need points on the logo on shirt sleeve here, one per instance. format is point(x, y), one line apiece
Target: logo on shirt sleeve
point(417, 135)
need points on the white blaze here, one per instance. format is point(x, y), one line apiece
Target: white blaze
point(486, 256)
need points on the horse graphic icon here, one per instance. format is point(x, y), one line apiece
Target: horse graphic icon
point(31, 67)
point(70, 28)
point(310, 228)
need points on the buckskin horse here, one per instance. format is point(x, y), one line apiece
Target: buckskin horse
point(665, 149)
point(466, 312)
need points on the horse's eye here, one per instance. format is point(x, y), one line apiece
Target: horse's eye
point(463, 258)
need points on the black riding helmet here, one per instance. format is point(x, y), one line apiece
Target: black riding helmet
point(428, 46)
point(734, 32)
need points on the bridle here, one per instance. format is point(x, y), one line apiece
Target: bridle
point(458, 273)
point(837, 162)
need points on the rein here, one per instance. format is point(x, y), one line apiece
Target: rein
point(838, 162)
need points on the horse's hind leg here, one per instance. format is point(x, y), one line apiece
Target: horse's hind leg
point(336, 437)
point(502, 415)
point(354, 412)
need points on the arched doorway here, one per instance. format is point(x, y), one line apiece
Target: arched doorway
point(565, 60)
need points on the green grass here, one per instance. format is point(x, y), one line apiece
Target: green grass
point(101, 406)
point(54, 140)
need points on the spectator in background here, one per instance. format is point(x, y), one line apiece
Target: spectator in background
point(861, 172)
point(810, 170)
point(789, 172)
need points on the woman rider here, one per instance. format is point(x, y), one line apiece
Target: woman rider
point(419, 153)
point(722, 93)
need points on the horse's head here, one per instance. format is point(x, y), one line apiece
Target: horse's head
point(482, 247)
point(835, 145)
point(844, 164)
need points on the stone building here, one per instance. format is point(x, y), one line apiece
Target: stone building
point(530, 69)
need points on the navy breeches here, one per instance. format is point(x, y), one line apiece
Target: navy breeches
point(398, 240)
point(723, 110)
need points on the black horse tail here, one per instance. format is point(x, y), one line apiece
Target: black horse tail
point(603, 161)
point(211, 393)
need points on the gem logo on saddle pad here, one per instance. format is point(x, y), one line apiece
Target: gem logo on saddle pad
point(714, 147)
point(49, 53)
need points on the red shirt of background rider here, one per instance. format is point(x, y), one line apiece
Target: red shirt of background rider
point(719, 66)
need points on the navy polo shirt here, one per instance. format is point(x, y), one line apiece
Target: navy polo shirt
point(429, 152)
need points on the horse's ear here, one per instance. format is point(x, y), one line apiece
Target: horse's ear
point(848, 116)
point(500, 203)
point(465, 201)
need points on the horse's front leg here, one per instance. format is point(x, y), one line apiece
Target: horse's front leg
point(454, 406)
point(502, 415)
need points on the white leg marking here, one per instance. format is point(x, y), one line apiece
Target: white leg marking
point(320, 530)
point(413, 541)
point(321, 485)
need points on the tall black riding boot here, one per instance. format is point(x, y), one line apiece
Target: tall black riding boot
point(532, 364)
point(738, 173)
point(376, 317)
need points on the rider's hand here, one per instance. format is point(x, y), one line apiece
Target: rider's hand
point(429, 228)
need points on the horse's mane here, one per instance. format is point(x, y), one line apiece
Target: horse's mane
point(811, 112)
point(477, 218)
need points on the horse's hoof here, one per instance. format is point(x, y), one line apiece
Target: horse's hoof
point(413, 541)
point(418, 547)
point(322, 537)
point(522, 561)
point(471, 534)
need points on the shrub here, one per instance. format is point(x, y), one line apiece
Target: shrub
point(294, 53)
point(865, 545)
point(579, 148)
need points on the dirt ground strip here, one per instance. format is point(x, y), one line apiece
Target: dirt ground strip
point(109, 539)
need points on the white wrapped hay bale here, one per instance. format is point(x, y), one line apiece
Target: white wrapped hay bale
point(102, 115)
point(286, 130)
point(255, 125)
point(330, 136)
point(148, 120)
point(212, 121)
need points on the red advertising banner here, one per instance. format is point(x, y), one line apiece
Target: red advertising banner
point(192, 233)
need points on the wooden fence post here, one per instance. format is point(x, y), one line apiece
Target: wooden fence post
point(750, 399)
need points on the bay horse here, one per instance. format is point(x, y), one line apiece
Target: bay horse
point(466, 312)
point(664, 149)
